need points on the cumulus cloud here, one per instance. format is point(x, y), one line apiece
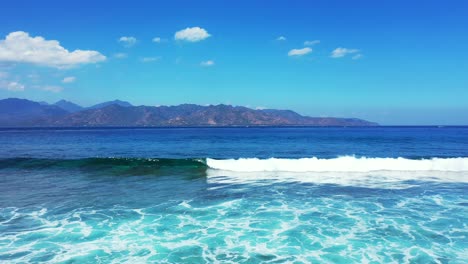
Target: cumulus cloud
point(192, 34)
point(207, 63)
point(120, 55)
point(11, 86)
point(128, 41)
point(341, 52)
point(7, 84)
point(149, 59)
point(159, 40)
point(69, 79)
point(299, 52)
point(19, 47)
point(281, 38)
point(311, 42)
point(15, 86)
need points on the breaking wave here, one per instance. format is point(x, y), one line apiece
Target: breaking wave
point(314, 164)
point(340, 164)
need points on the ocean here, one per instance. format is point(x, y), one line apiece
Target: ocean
point(234, 195)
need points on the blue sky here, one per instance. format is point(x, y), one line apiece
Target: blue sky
point(393, 62)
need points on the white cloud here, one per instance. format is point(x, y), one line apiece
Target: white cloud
point(11, 86)
point(128, 41)
point(341, 52)
point(159, 40)
point(192, 34)
point(19, 47)
point(299, 52)
point(311, 42)
point(120, 55)
point(149, 59)
point(8, 84)
point(69, 79)
point(357, 57)
point(51, 88)
point(207, 63)
point(281, 38)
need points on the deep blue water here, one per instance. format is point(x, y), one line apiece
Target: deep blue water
point(236, 142)
point(150, 195)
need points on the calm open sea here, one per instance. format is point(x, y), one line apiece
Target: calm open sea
point(234, 195)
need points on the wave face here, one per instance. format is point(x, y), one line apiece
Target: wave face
point(112, 166)
point(340, 164)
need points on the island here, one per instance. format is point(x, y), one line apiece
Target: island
point(16, 112)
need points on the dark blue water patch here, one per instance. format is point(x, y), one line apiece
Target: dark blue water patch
point(236, 142)
point(111, 166)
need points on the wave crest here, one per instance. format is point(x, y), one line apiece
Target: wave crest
point(340, 164)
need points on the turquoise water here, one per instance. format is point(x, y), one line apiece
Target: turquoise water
point(155, 195)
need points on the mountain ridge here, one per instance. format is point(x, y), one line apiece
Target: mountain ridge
point(107, 103)
point(68, 106)
point(120, 114)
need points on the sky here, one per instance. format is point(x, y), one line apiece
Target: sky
point(392, 62)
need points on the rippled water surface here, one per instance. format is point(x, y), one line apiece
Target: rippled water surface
point(59, 203)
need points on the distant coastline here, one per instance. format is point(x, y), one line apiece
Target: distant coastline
point(16, 113)
point(220, 127)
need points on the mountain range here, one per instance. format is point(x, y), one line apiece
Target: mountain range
point(16, 112)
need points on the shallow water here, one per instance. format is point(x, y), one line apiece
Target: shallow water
point(61, 205)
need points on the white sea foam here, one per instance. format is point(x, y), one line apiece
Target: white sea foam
point(393, 173)
point(340, 164)
point(289, 229)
